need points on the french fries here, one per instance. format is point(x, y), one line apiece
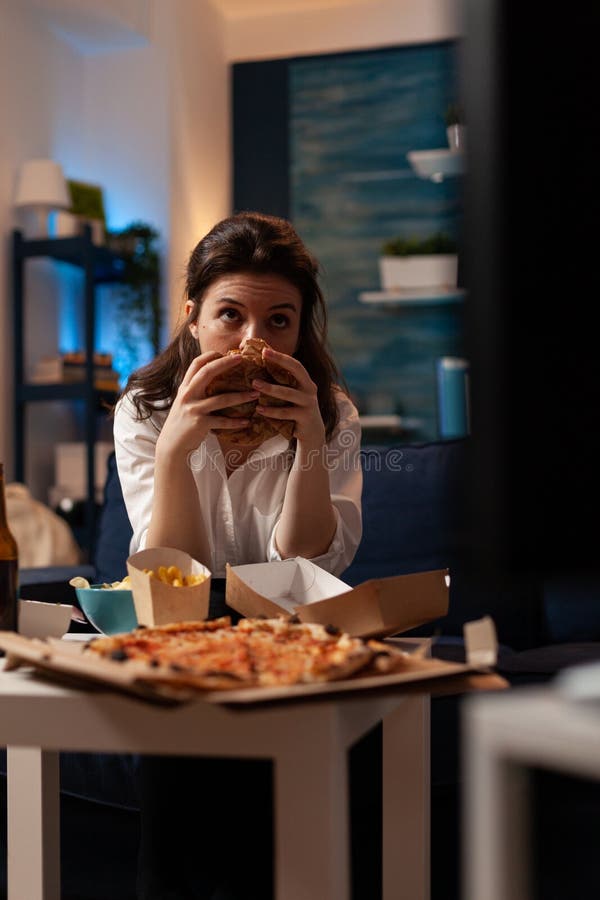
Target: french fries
point(173, 576)
point(124, 585)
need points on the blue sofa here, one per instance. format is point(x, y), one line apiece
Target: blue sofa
point(412, 522)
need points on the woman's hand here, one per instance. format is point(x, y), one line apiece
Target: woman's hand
point(191, 415)
point(304, 409)
point(308, 522)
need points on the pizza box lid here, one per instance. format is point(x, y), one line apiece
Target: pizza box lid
point(376, 608)
point(157, 603)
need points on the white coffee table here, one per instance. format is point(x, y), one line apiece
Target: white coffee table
point(308, 742)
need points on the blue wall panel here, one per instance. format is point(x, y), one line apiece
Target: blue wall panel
point(353, 118)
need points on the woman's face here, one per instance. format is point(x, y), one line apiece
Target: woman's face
point(247, 305)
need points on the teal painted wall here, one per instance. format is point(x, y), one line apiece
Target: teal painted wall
point(352, 120)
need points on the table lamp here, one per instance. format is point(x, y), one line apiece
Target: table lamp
point(41, 187)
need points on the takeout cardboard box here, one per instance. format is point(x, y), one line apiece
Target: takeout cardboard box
point(39, 620)
point(376, 608)
point(157, 603)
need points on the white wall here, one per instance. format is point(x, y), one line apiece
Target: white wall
point(193, 34)
point(156, 132)
point(93, 27)
point(376, 23)
point(126, 148)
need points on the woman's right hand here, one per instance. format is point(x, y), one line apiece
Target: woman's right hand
point(191, 415)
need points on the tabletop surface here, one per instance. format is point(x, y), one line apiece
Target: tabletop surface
point(538, 726)
point(36, 712)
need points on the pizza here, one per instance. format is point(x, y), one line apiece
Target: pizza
point(216, 655)
point(240, 378)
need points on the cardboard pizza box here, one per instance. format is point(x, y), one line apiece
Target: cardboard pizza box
point(157, 603)
point(68, 661)
point(376, 608)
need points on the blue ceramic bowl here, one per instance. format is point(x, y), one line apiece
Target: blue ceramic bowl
point(110, 611)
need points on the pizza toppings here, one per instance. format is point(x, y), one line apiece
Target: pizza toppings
point(218, 655)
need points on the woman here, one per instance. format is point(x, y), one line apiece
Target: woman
point(187, 484)
point(184, 486)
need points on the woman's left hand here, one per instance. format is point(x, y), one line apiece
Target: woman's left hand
point(304, 404)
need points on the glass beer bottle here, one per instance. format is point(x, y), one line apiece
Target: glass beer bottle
point(9, 567)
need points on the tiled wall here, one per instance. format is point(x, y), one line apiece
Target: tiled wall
point(352, 119)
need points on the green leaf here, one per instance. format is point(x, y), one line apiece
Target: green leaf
point(413, 246)
point(86, 200)
point(138, 301)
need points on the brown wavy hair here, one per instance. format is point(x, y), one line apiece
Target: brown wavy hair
point(255, 243)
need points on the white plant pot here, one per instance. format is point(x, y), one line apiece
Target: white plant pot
point(66, 224)
point(399, 272)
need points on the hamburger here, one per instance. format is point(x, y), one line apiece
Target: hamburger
point(240, 378)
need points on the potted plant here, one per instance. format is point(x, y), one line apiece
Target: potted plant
point(455, 126)
point(138, 307)
point(412, 262)
point(87, 208)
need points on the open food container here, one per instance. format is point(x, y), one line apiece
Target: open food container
point(376, 608)
point(40, 620)
point(158, 603)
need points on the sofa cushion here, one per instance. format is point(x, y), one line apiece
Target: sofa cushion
point(551, 659)
point(413, 521)
point(572, 608)
point(409, 517)
point(114, 529)
point(50, 584)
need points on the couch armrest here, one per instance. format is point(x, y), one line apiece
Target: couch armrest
point(51, 583)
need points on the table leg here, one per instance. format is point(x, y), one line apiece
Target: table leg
point(406, 800)
point(312, 834)
point(33, 824)
point(497, 820)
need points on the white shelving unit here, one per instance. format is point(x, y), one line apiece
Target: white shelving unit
point(412, 297)
point(433, 165)
point(385, 424)
point(389, 421)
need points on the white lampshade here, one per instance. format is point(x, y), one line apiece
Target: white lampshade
point(41, 187)
point(41, 183)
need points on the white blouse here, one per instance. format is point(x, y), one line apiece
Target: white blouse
point(241, 512)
